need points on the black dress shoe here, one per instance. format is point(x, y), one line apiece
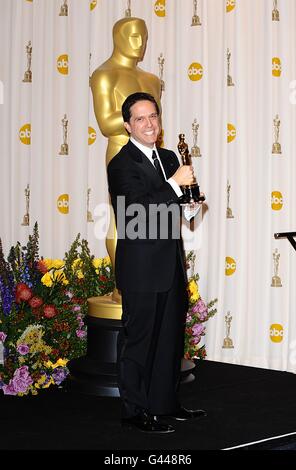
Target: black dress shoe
point(183, 414)
point(147, 423)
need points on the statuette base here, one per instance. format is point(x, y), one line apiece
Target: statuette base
point(64, 149)
point(276, 281)
point(227, 343)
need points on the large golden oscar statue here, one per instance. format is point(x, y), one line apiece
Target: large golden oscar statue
point(111, 83)
point(96, 373)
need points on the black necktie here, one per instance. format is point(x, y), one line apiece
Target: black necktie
point(156, 163)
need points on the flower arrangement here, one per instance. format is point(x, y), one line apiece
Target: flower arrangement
point(43, 303)
point(198, 313)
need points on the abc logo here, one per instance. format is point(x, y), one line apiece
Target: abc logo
point(93, 4)
point(195, 71)
point(63, 203)
point(230, 5)
point(276, 333)
point(276, 200)
point(25, 134)
point(230, 266)
point(231, 132)
point(276, 67)
point(92, 135)
point(159, 7)
point(62, 64)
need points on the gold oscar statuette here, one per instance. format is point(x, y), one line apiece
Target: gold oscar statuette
point(276, 146)
point(64, 147)
point(64, 9)
point(276, 280)
point(227, 342)
point(195, 18)
point(229, 214)
point(89, 214)
point(191, 193)
point(128, 11)
point(275, 12)
point(26, 218)
point(28, 73)
point(190, 263)
point(195, 150)
point(161, 65)
point(111, 83)
point(229, 78)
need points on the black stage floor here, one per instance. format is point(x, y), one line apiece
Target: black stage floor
point(248, 409)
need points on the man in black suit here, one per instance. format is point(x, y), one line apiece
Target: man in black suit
point(144, 184)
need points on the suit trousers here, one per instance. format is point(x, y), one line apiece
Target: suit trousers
point(150, 348)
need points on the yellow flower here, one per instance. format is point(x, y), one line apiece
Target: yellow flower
point(59, 363)
point(41, 382)
point(48, 263)
point(193, 291)
point(47, 280)
point(57, 264)
point(60, 276)
point(97, 262)
point(80, 274)
point(77, 263)
point(32, 336)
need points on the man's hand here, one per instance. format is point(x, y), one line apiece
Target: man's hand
point(184, 176)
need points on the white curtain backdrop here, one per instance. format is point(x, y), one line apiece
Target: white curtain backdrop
point(236, 257)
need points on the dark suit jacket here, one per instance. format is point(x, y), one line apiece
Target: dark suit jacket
point(149, 240)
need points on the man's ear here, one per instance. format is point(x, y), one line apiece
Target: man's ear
point(127, 127)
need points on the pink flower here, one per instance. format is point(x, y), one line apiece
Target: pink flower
point(3, 336)
point(35, 302)
point(23, 349)
point(198, 329)
point(20, 382)
point(80, 333)
point(49, 311)
point(23, 292)
point(9, 389)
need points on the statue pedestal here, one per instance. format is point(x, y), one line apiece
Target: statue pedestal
point(96, 373)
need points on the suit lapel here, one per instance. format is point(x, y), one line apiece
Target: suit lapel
point(143, 162)
point(169, 164)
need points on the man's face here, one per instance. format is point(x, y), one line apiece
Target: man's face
point(144, 124)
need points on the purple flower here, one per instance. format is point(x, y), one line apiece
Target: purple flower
point(80, 333)
point(20, 382)
point(80, 321)
point(59, 374)
point(198, 329)
point(76, 308)
point(23, 349)
point(9, 389)
point(7, 294)
point(3, 336)
point(202, 306)
point(201, 309)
